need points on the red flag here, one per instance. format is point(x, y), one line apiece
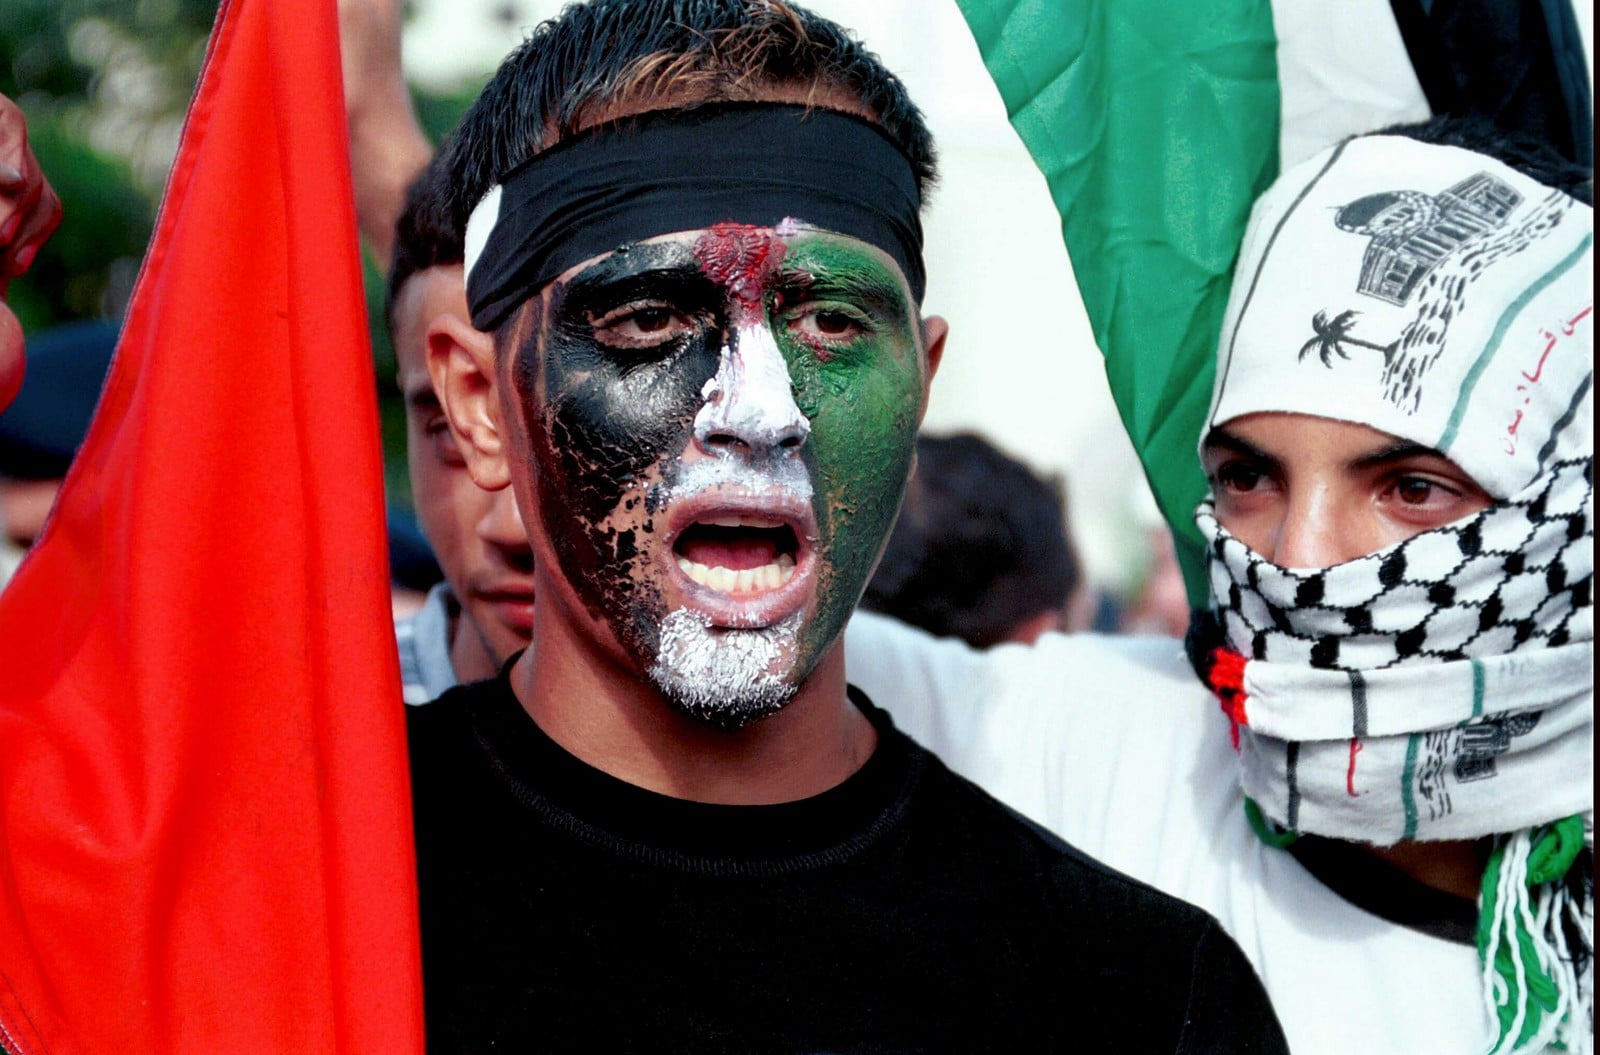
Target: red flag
point(203, 798)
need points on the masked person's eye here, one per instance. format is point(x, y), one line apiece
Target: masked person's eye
point(1239, 477)
point(1425, 495)
point(1415, 491)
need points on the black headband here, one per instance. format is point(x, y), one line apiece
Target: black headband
point(682, 170)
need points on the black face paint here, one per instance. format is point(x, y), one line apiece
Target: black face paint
point(608, 417)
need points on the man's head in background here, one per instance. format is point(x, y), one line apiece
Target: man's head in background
point(476, 535)
point(41, 431)
point(981, 548)
point(707, 360)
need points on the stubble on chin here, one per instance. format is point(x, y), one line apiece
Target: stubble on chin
point(728, 678)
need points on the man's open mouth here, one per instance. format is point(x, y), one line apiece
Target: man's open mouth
point(743, 558)
point(738, 553)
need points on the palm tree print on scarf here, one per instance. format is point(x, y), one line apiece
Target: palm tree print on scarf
point(1432, 258)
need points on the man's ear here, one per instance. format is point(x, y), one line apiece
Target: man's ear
point(461, 364)
point(934, 330)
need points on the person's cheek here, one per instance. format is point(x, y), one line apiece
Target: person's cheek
point(862, 404)
point(606, 430)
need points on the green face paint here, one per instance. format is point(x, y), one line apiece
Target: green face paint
point(861, 388)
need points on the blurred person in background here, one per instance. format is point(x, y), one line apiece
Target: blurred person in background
point(44, 426)
point(980, 550)
point(482, 612)
point(468, 625)
point(413, 569)
point(1159, 604)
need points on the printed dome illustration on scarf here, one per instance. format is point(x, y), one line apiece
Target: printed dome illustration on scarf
point(1441, 688)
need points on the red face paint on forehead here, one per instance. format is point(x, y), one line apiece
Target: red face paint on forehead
point(741, 258)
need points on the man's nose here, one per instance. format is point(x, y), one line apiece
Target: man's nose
point(501, 523)
point(750, 408)
point(1320, 528)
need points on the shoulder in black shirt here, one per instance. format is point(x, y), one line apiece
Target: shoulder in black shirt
point(902, 911)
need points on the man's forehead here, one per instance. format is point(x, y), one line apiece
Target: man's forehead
point(730, 253)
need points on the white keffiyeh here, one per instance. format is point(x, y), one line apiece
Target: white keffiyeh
point(1425, 291)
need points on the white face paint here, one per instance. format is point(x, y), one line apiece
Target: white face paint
point(754, 432)
point(750, 407)
point(726, 676)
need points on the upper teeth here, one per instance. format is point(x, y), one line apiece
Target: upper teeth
point(743, 522)
point(726, 580)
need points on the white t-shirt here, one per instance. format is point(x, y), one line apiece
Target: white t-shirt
point(1114, 744)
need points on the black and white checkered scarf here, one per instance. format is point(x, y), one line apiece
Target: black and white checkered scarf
point(1440, 688)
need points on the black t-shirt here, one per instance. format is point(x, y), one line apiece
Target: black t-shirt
point(902, 911)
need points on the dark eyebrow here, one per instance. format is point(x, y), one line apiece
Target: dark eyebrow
point(863, 285)
point(1398, 451)
point(1221, 437)
point(608, 284)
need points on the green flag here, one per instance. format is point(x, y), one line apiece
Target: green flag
point(1156, 125)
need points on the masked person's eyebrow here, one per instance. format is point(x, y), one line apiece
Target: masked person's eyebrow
point(1222, 438)
point(1395, 452)
point(869, 285)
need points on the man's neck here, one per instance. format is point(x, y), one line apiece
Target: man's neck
point(1455, 867)
point(622, 725)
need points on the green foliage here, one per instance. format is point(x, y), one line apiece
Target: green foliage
point(87, 71)
point(103, 84)
point(57, 52)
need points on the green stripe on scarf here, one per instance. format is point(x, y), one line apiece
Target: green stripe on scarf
point(1156, 125)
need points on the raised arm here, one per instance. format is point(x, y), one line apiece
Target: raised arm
point(387, 145)
point(29, 214)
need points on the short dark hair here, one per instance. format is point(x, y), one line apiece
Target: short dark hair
point(424, 235)
point(1532, 157)
point(980, 547)
point(605, 55)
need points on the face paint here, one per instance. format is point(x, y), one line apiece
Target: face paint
point(721, 423)
point(852, 341)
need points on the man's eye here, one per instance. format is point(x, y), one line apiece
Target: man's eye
point(642, 325)
point(650, 320)
point(444, 441)
point(831, 324)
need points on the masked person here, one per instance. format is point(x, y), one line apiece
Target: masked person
point(697, 358)
point(1396, 823)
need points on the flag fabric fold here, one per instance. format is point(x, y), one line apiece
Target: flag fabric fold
point(205, 840)
point(1156, 126)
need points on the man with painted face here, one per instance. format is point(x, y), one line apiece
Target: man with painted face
point(697, 359)
point(1397, 821)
